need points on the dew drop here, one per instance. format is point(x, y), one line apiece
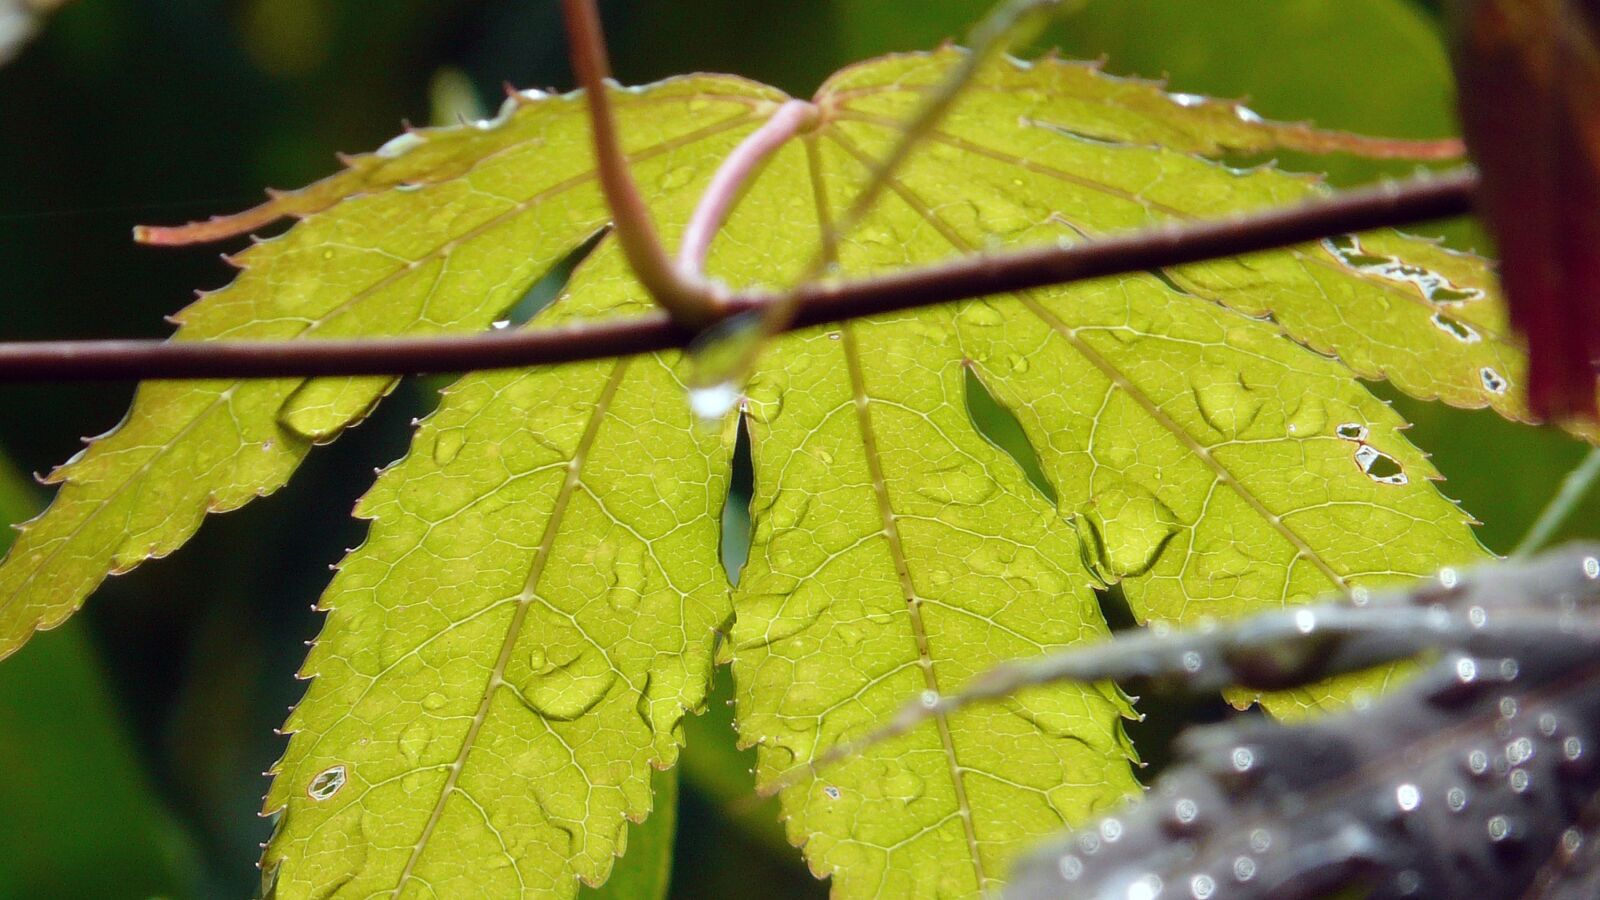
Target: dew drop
point(1407, 797)
point(327, 783)
point(1305, 621)
point(676, 178)
point(1478, 763)
point(1244, 868)
point(1242, 759)
point(1493, 381)
point(1260, 840)
point(1591, 568)
point(904, 786)
point(1145, 887)
point(565, 691)
point(1226, 403)
point(1518, 780)
point(1111, 830)
point(960, 487)
point(415, 739)
point(1500, 829)
point(447, 445)
point(1185, 811)
point(928, 699)
point(1456, 799)
point(1191, 661)
point(1131, 527)
point(710, 404)
point(1308, 418)
point(980, 313)
point(1466, 670)
point(1548, 724)
point(1572, 749)
point(399, 145)
point(500, 324)
point(1071, 867)
point(1202, 887)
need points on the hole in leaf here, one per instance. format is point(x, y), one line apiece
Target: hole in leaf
point(1456, 328)
point(549, 286)
point(736, 508)
point(1165, 715)
point(1000, 427)
point(1379, 466)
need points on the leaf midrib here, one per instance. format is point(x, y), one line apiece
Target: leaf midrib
point(536, 569)
point(891, 533)
point(1031, 302)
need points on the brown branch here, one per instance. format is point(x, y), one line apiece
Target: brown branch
point(1417, 200)
point(690, 301)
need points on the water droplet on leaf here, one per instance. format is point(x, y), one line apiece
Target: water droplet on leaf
point(415, 739)
point(1227, 403)
point(447, 445)
point(1131, 527)
point(565, 691)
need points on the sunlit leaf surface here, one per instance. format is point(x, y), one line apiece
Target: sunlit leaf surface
point(539, 598)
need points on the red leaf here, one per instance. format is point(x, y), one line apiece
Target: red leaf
point(1529, 73)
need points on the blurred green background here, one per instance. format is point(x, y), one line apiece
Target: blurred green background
point(131, 741)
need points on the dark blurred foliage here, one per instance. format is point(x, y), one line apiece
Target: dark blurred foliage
point(131, 741)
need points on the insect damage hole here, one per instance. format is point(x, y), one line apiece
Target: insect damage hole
point(1380, 466)
point(327, 783)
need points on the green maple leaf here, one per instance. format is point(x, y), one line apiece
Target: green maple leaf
point(539, 599)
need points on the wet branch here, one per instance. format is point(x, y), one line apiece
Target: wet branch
point(689, 300)
point(1393, 204)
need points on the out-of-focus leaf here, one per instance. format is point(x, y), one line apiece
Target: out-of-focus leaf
point(1475, 779)
point(80, 817)
point(1529, 73)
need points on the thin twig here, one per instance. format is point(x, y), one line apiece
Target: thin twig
point(1573, 489)
point(690, 301)
point(989, 38)
point(1417, 200)
point(735, 173)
